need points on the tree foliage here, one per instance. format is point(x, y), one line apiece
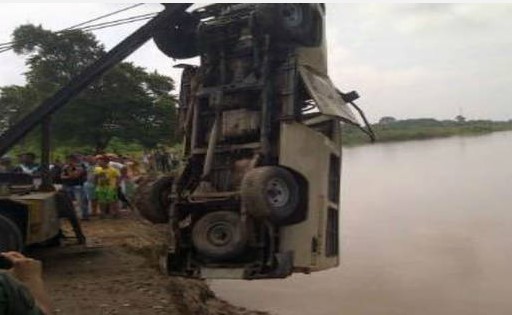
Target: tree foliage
point(387, 120)
point(127, 103)
point(460, 118)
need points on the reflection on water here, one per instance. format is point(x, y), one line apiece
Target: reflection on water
point(427, 229)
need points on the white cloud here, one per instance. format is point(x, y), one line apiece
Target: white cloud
point(424, 60)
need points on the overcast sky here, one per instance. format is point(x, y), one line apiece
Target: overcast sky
point(405, 60)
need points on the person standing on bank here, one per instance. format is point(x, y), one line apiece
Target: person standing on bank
point(107, 182)
point(89, 187)
point(73, 177)
point(28, 165)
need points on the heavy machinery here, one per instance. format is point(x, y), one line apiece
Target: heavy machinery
point(32, 216)
point(257, 194)
point(26, 217)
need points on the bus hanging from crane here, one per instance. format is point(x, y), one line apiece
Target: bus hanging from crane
point(258, 193)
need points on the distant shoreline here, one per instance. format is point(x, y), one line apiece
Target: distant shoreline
point(422, 129)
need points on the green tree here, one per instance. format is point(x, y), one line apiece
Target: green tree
point(460, 119)
point(127, 103)
point(387, 120)
point(15, 101)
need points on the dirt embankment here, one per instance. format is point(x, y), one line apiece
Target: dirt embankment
point(121, 277)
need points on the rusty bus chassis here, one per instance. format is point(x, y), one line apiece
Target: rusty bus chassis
point(257, 193)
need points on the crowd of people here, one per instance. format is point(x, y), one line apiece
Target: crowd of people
point(99, 185)
point(27, 165)
point(159, 160)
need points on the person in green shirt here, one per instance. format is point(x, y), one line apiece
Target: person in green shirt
point(21, 287)
point(107, 183)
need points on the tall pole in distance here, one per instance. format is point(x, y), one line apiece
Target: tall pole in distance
point(46, 179)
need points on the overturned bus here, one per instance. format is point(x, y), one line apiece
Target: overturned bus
point(258, 193)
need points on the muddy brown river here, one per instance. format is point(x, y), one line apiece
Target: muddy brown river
point(426, 229)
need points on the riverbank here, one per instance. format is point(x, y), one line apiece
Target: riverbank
point(120, 276)
point(419, 129)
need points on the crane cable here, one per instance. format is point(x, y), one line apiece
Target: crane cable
point(8, 46)
point(105, 15)
point(89, 21)
point(101, 26)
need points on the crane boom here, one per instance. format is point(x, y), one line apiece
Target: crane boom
point(86, 77)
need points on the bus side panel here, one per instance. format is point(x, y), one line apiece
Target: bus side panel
point(309, 153)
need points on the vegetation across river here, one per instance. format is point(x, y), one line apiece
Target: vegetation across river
point(425, 128)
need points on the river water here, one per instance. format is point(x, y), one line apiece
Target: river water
point(426, 229)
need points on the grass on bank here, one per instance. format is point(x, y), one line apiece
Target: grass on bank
point(418, 129)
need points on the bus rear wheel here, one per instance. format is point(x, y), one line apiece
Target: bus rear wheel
point(220, 235)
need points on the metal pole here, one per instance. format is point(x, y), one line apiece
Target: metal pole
point(46, 179)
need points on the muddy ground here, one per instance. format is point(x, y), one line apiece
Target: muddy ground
point(121, 275)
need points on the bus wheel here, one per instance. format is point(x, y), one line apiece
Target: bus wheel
point(10, 235)
point(296, 22)
point(178, 39)
point(270, 192)
point(151, 199)
point(220, 235)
